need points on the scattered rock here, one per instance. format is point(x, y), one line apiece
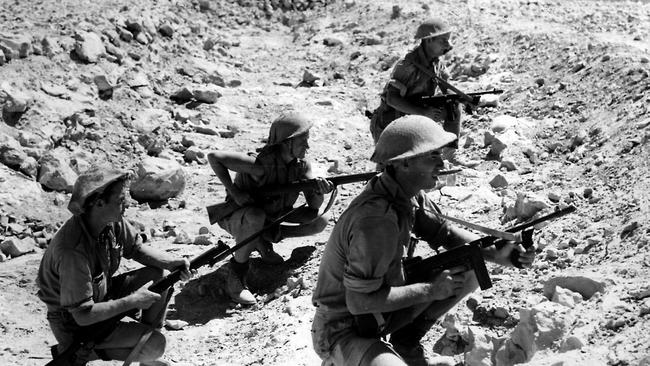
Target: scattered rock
point(499, 181)
point(89, 47)
point(55, 172)
point(583, 285)
point(104, 88)
point(157, 180)
point(14, 247)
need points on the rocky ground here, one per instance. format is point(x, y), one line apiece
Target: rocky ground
point(155, 85)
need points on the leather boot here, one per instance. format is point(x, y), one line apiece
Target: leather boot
point(406, 342)
point(236, 286)
point(268, 255)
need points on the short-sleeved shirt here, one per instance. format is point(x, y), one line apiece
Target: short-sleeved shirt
point(76, 269)
point(364, 251)
point(409, 81)
point(276, 171)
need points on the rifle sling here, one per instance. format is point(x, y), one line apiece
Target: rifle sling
point(512, 236)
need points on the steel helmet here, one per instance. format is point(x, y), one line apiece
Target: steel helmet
point(410, 136)
point(432, 28)
point(287, 126)
point(93, 181)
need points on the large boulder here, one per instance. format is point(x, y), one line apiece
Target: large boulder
point(157, 179)
point(56, 173)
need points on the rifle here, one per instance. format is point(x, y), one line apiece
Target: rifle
point(221, 210)
point(418, 269)
point(440, 100)
point(469, 255)
point(90, 335)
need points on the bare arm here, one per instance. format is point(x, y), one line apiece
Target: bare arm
point(222, 162)
point(97, 312)
point(389, 298)
point(313, 198)
point(395, 100)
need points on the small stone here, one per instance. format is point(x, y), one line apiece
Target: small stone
point(125, 35)
point(104, 88)
point(182, 238)
point(175, 324)
point(202, 240)
point(166, 30)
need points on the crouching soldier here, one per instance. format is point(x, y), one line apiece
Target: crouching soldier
point(362, 296)
point(280, 161)
point(76, 275)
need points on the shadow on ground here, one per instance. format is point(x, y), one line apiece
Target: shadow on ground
point(203, 299)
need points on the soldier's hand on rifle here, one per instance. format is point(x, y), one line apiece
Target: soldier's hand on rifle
point(449, 283)
point(436, 114)
point(324, 185)
point(143, 298)
point(525, 256)
point(241, 197)
point(184, 265)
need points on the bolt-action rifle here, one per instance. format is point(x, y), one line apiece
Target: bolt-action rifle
point(87, 337)
point(468, 255)
point(221, 210)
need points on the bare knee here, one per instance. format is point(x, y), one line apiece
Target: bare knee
point(321, 223)
point(380, 355)
point(255, 217)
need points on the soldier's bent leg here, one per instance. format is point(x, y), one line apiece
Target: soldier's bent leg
point(309, 224)
point(126, 336)
point(406, 339)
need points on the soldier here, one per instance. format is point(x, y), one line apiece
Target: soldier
point(361, 271)
point(76, 275)
point(280, 161)
point(408, 79)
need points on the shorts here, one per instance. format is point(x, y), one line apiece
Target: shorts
point(337, 343)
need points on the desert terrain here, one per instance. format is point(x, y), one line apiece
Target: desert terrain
point(157, 84)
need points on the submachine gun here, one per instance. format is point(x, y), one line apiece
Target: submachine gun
point(469, 255)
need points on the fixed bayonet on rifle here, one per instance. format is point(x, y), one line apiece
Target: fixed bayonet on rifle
point(90, 335)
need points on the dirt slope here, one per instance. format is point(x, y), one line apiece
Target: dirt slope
point(576, 71)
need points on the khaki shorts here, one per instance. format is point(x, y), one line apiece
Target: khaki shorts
point(336, 342)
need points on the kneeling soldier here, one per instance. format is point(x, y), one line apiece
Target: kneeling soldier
point(361, 273)
point(76, 276)
point(280, 161)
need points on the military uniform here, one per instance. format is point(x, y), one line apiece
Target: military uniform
point(364, 253)
point(410, 81)
point(276, 171)
point(78, 271)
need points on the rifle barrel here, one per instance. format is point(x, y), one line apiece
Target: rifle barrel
point(309, 184)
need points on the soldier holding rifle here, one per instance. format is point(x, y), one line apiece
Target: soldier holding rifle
point(361, 273)
point(280, 161)
point(421, 72)
point(76, 275)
